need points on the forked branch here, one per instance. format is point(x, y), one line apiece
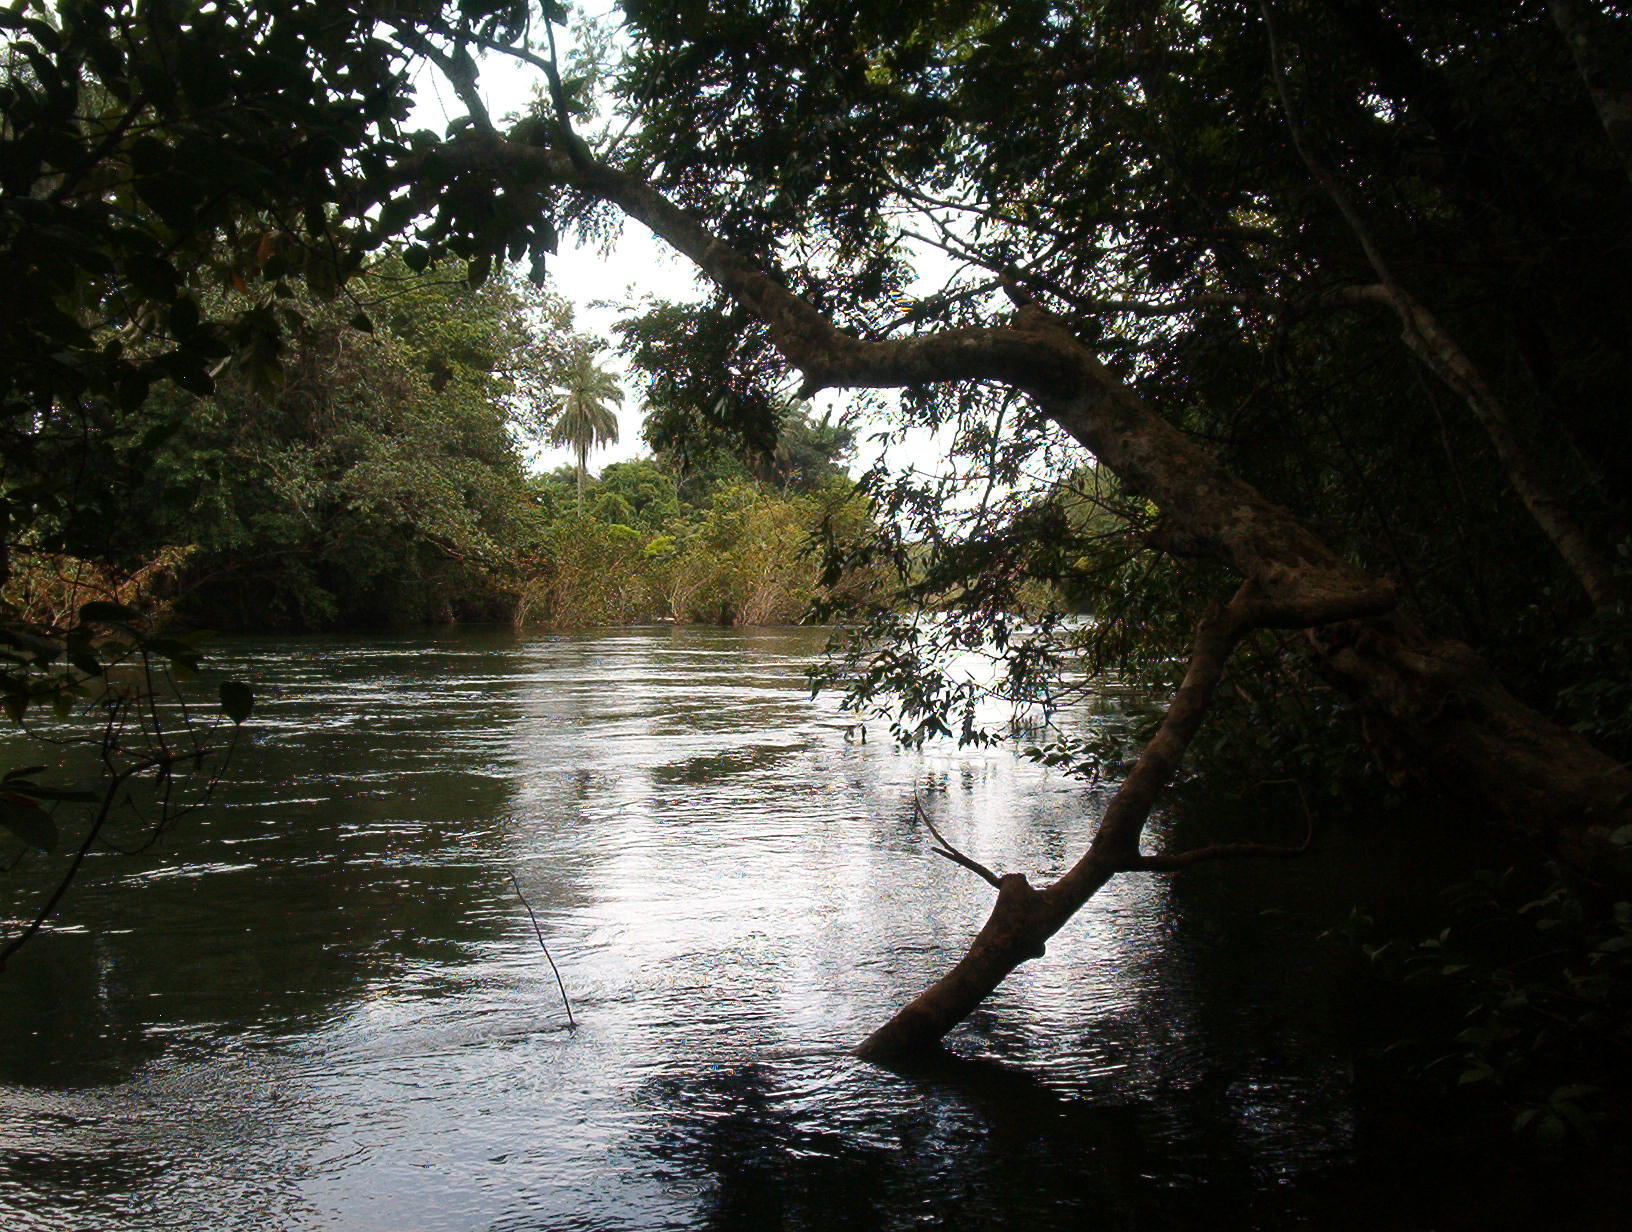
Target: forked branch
point(947, 851)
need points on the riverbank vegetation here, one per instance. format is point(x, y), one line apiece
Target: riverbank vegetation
point(381, 480)
point(1288, 339)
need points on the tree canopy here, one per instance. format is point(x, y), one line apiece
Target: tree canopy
point(1335, 297)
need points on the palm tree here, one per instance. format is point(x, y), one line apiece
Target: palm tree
point(584, 419)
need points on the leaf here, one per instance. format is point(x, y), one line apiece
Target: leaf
point(184, 317)
point(28, 821)
point(1574, 1091)
point(181, 653)
point(237, 699)
point(191, 377)
point(159, 433)
point(101, 612)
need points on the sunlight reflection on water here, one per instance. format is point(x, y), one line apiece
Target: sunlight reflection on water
point(355, 1029)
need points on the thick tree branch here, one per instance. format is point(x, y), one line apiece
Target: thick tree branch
point(1434, 345)
point(1024, 918)
point(1036, 354)
point(1116, 842)
point(1550, 781)
point(456, 66)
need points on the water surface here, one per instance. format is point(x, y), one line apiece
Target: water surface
point(321, 1005)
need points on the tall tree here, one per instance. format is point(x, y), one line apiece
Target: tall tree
point(1145, 265)
point(585, 418)
point(1148, 257)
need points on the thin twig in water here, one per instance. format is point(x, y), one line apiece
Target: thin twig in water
point(539, 933)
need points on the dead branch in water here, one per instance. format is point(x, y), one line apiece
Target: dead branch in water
point(539, 933)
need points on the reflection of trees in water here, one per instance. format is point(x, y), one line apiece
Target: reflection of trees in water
point(1236, 1039)
point(713, 767)
point(950, 1144)
point(107, 1179)
point(399, 859)
point(64, 1021)
point(356, 836)
point(954, 1142)
point(1201, 1007)
point(759, 1163)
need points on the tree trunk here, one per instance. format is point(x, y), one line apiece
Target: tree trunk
point(1024, 918)
point(1435, 703)
point(1606, 75)
point(1431, 343)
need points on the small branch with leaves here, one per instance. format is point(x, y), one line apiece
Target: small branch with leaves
point(107, 666)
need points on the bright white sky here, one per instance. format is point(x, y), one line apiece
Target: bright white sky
point(637, 265)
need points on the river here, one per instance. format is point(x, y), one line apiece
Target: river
point(320, 1002)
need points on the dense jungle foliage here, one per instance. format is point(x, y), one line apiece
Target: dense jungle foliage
point(381, 480)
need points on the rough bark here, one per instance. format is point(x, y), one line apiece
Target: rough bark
point(1437, 700)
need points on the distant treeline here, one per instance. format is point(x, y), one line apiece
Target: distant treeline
point(371, 473)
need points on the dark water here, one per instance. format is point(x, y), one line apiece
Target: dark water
point(320, 1004)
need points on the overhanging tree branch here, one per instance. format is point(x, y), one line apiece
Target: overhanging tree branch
point(1555, 786)
point(1565, 793)
point(1433, 344)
